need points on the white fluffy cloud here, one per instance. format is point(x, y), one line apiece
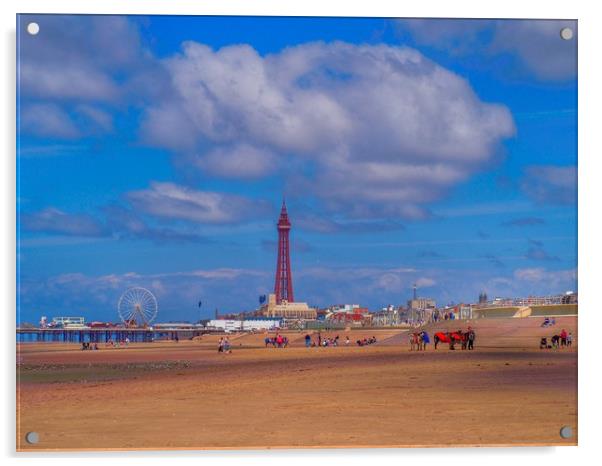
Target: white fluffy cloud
point(383, 129)
point(169, 200)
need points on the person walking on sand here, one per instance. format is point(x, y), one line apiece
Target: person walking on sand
point(569, 339)
point(307, 340)
point(220, 346)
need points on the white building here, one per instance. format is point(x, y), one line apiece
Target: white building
point(244, 325)
point(68, 322)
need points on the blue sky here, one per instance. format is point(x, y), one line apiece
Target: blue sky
point(155, 151)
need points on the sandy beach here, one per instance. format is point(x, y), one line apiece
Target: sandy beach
point(186, 395)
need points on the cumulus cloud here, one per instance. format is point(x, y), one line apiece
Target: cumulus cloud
point(73, 56)
point(535, 45)
point(169, 200)
point(79, 65)
point(381, 129)
point(548, 184)
point(368, 130)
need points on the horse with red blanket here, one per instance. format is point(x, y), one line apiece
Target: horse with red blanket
point(452, 338)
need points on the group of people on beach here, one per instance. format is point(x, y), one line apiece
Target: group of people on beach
point(320, 342)
point(279, 341)
point(86, 345)
point(366, 341)
point(562, 340)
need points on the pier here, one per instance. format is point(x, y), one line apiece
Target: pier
point(103, 335)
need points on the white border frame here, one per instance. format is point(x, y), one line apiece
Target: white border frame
point(590, 101)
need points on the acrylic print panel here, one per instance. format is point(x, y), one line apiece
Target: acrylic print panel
point(248, 232)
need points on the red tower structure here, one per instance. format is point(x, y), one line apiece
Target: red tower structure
point(283, 289)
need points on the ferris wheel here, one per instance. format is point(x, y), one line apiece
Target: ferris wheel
point(137, 306)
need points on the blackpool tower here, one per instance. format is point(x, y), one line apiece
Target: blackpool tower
point(283, 289)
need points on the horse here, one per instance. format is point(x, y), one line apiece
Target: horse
point(416, 342)
point(440, 337)
point(452, 338)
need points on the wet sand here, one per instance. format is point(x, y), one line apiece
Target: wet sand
point(186, 395)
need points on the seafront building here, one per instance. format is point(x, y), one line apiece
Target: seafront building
point(287, 310)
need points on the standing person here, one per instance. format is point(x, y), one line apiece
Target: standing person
point(563, 336)
point(425, 339)
point(307, 340)
point(569, 339)
point(347, 340)
point(471, 338)
point(220, 346)
point(227, 346)
point(319, 339)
